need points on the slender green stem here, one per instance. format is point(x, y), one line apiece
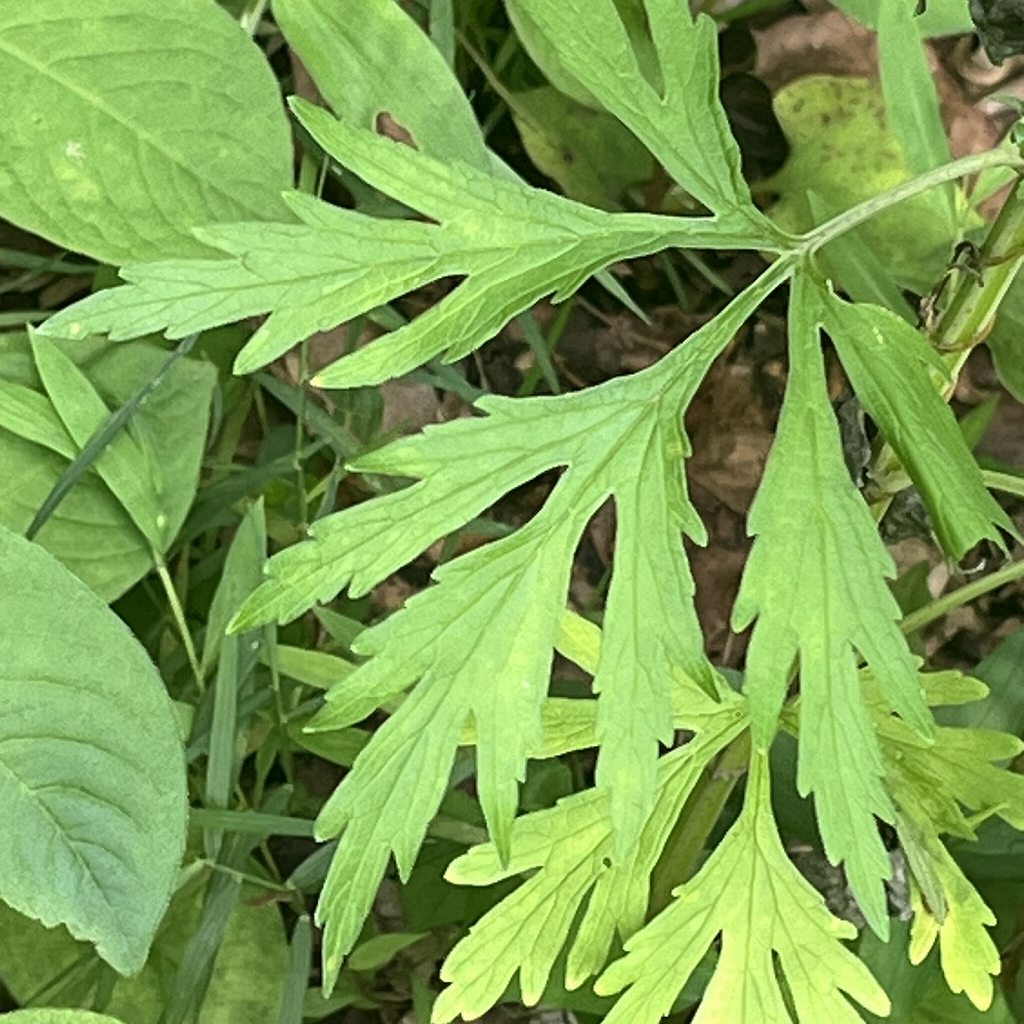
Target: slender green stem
point(300, 437)
point(681, 856)
point(849, 219)
point(964, 324)
point(178, 613)
point(962, 595)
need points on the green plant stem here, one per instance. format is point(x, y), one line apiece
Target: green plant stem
point(965, 323)
point(971, 311)
point(820, 236)
point(681, 856)
point(178, 613)
point(962, 595)
point(300, 437)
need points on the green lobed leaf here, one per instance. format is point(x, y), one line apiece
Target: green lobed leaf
point(381, 62)
point(770, 921)
point(682, 124)
point(569, 853)
point(480, 641)
point(815, 582)
point(932, 783)
point(512, 243)
point(888, 363)
point(91, 531)
point(967, 953)
point(109, 156)
point(92, 780)
point(1002, 671)
point(545, 52)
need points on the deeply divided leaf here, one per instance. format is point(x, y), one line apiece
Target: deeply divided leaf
point(815, 582)
point(569, 853)
point(890, 366)
point(770, 922)
point(512, 244)
point(480, 641)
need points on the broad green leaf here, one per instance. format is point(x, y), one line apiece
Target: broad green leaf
point(108, 155)
point(771, 922)
point(92, 780)
point(891, 367)
point(682, 123)
point(91, 531)
point(480, 641)
point(939, 18)
point(843, 151)
point(513, 244)
point(248, 974)
point(569, 852)
point(815, 582)
point(381, 62)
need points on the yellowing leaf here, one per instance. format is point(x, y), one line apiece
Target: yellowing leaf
point(769, 920)
point(571, 850)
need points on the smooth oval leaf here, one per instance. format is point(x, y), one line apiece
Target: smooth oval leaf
point(136, 122)
point(92, 777)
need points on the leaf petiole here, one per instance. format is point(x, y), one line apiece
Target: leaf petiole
point(813, 240)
